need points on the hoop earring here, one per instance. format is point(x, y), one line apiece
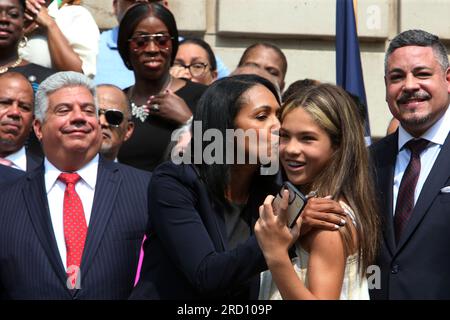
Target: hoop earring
point(23, 42)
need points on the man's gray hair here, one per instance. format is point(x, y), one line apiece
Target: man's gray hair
point(419, 38)
point(58, 81)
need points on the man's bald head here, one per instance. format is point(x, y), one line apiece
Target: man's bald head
point(110, 97)
point(16, 112)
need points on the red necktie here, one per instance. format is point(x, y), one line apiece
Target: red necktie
point(6, 162)
point(405, 198)
point(75, 227)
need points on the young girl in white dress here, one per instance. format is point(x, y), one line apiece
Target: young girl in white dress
point(322, 149)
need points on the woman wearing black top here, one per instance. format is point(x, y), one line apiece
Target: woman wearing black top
point(148, 43)
point(200, 242)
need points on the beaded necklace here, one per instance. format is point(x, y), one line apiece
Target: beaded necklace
point(5, 68)
point(141, 112)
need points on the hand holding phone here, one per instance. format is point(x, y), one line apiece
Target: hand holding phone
point(296, 203)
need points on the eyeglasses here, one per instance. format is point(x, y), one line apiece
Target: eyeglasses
point(113, 116)
point(140, 42)
point(195, 69)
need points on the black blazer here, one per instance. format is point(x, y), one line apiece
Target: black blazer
point(418, 267)
point(186, 255)
point(30, 264)
point(33, 161)
point(9, 175)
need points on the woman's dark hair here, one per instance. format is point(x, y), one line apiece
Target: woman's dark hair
point(23, 4)
point(134, 15)
point(217, 109)
point(205, 46)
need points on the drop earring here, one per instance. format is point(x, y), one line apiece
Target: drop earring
point(23, 42)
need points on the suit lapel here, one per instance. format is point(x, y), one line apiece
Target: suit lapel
point(38, 210)
point(217, 208)
point(33, 161)
point(385, 176)
point(439, 174)
point(106, 189)
point(219, 221)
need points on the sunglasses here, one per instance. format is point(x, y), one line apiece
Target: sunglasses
point(113, 116)
point(140, 42)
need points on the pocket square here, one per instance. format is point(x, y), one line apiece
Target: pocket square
point(445, 189)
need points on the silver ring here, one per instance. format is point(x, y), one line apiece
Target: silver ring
point(155, 107)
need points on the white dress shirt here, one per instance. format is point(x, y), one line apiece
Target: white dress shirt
point(79, 28)
point(55, 188)
point(18, 159)
point(436, 135)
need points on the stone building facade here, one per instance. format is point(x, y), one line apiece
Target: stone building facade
point(305, 30)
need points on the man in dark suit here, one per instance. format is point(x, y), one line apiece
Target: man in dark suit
point(412, 170)
point(16, 118)
point(9, 175)
point(72, 228)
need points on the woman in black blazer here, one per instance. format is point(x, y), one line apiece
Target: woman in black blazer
point(200, 236)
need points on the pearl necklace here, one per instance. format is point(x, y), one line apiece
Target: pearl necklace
point(3, 69)
point(141, 112)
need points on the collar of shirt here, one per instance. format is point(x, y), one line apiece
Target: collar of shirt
point(88, 174)
point(19, 159)
point(436, 134)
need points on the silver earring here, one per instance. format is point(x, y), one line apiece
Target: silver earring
point(23, 42)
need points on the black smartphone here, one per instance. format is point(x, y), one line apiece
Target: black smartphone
point(296, 203)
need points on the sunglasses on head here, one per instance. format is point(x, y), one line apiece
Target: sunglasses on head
point(140, 42)
point(113, 116)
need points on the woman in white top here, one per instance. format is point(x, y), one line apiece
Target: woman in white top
point(63, 36)
point(322, 149)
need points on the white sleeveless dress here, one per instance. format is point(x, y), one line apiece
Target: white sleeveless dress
point(354, 287)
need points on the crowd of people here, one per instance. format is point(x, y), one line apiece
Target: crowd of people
point(133, 165)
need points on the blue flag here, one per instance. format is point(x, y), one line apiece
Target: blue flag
point(348, 59)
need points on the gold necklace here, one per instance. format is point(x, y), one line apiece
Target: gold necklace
point(141, 112)
point(3, 69)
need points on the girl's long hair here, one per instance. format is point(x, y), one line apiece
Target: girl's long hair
point(347, 176)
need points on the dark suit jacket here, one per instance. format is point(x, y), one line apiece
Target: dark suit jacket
point(9, 175)
point(186, 255)
point(33, 161)
point(30, 264)
point(418, 267)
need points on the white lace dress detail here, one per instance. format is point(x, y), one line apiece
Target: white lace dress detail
point(354, 287)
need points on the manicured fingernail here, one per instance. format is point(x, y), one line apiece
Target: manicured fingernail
point(343, 222)
point(336, 226)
